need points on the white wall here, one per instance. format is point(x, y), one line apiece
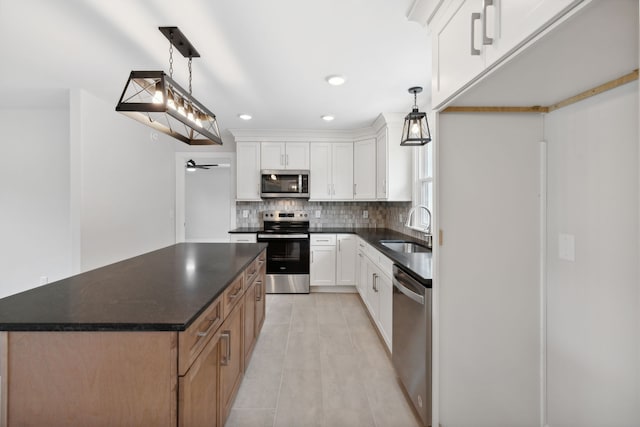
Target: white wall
point(488, 282)
point(208, 200)
point(34, 198)
point(592, 304)
point(127, 188)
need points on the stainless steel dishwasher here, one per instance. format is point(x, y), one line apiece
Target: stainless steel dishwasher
point(412, 340)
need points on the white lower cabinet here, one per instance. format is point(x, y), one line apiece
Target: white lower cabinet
point(243, 237)
point(323, 265)
point(333, 259)
point(346, 260)
point(376, 288)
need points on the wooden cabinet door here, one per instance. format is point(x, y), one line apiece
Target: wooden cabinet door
point(296, 155)
point(342, 171)
point(260, 295)
point(272, 155)
point(231, 358)
point(249, 321)
point(198, 403)
point(364, 169)
point(248, 171)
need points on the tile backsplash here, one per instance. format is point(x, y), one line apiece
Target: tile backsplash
point(390, 215)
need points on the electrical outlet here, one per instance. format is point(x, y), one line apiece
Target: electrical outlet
point(365, 214)
point(245, 213)
point(317, 214)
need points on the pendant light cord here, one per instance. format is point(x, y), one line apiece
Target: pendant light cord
point(171, 55)
point(190, 58)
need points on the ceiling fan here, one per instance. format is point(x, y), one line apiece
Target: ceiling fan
point(192, 166)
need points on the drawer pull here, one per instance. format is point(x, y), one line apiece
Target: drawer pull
point(258, 291)
point(226, 335)
point(211, 323)
point(235, 295)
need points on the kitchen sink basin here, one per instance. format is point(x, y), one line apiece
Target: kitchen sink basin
point(404, 247)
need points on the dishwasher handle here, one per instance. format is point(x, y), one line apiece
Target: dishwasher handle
point(402, 282)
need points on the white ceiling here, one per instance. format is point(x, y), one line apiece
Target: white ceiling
point(265, 58)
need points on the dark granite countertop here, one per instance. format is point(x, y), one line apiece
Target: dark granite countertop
point(246, 230)
point(418, 265)
point(163, 290)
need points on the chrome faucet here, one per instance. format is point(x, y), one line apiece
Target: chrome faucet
point(427, 229)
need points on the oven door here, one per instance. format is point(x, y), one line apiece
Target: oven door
point(287, 262)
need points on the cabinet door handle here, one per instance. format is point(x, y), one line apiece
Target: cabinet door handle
point(286, 159)
point(282, 159)
point(258, 291)
point(474, 17)
point(355, 189)
point(485, 39)
point(311, 257)
point(339, 248)
point(328, 189)
point(227, 356)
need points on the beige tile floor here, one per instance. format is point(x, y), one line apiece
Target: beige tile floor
point(319, 362)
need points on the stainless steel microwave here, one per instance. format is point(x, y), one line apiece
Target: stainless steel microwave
point(284, 184)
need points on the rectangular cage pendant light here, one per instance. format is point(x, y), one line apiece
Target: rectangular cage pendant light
point(156, 100)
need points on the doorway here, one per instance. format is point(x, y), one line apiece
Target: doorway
point(205, 208)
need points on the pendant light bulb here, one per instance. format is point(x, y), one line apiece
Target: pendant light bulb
point(158, 97)
point(171, 102)
point(181, 109)
point(190, 116)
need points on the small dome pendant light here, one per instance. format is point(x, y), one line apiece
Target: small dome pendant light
point(416, 128)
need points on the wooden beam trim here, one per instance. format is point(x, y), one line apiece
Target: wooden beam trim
point(533, 109)
point(627, 78)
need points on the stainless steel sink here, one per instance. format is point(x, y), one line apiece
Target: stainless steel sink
point(403, 246)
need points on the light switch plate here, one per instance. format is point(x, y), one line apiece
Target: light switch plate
point(567, 247)
point(317, 214)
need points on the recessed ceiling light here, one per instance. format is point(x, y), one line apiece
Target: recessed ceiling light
point(336, 80)
point(244, 116)
point(327, 117)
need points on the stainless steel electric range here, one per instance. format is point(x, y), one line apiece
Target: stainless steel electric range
point(287, 233)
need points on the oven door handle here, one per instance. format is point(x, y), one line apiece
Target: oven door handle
point(283, 236)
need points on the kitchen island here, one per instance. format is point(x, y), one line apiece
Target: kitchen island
point(158, 339)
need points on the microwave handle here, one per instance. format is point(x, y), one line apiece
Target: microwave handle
point(299, 183)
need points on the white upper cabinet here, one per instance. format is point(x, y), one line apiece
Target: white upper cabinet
point(457, 50)
point(471, 36)
point(364, 169)
point(342, 170)
point(515, 21)
point(248, 171)
point(331, 171)
point(281, 155)
point(393, 161)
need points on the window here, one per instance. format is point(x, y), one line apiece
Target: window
point(423, 183)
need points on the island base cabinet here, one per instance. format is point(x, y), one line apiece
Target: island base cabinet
point(91, 378)
point(231, 358)
point(198, 389)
